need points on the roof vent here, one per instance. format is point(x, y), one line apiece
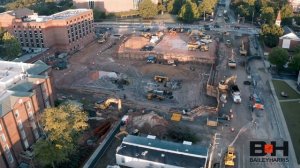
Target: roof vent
point(151, 136)
point(162, 155)
point(187, 143)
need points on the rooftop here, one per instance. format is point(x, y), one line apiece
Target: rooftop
point(16, 80)
point(165, 152)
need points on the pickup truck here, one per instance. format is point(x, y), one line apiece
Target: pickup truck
point(236, 95)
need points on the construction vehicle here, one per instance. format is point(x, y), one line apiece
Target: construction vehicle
point(203, 47)
point(172, 32)
point(193, 46)
point(151, 96)
point(231, 60)
point(228, 43)
point(124, 122)
point(147, 35)
point(161, 79)
point(104, 105)
point(230, 156)
point(236, 94)
point(224, 84)
point(243, 52)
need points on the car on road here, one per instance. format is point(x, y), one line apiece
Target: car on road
point(147, 48)
point(206, 27)
point(151, 59)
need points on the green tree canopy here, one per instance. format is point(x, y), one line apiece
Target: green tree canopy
point(295, 63)
point(268, 15)
point(271, 34)
point(98, 15)
point(147, 9)
point(207, 6)
point(62, 126)
point(278, 57)
point(174, 6)
point(287, 11)
point(11, 46)
point(189, 12)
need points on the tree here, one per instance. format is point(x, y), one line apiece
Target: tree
point(98, 15)
point(147, 9)
point(278, 57)
point(268, 15)
point(161, 8)
point(189, 12)
point(271, 34)
point(295, 63)
point(62, 125)
point(287, 11)
point(11, 46)
point(174, 6)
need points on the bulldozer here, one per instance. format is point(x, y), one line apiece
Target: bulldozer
point(224, 85)
point(104, 105)
point(229, 157)
point(161, 79)
point(243, 52)
point(231, 60)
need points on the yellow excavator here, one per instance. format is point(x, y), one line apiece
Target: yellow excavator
point(104, 105)
point(229, 157)
point(223, 85)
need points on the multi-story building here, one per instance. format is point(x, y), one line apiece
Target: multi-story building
point(109, 6)
point(66, 31)
point(136, 152)
point(295, 4)
point(25, 90)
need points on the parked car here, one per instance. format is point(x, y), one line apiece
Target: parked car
point(147, 48)
point(151, 59)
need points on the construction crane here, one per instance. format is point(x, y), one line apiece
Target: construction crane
point(231, 61)
point(242, 49)
point(104, 105)
point(224, 85)
point(230, 156)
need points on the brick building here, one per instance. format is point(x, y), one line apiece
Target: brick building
point(66, 31)
point(25, 90)
point(109, 6)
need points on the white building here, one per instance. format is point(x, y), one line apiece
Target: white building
point(143, 152)
point(295, 4)
point(289, 39)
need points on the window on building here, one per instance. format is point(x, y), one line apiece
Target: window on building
point(3, 139)
point(20, 124)
point(17, 114)
point(28, 105)
point(91, 4)
point(43, 46)
point(26, 144)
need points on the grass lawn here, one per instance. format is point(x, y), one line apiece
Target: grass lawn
point(281, 86)
point(291, 111)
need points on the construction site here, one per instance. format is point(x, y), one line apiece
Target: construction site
point(173, 84)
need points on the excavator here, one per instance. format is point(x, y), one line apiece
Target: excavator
point(231, 61)
point(104, 105)
point(161, 79)
point(242, 49)
point(229, 157)
point(224, 85)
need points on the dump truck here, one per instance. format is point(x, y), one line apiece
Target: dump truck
point(231, 60)
point(243, 51)
point(161, 79)
point(230, 156)
point(236, 94)
point(105, 104)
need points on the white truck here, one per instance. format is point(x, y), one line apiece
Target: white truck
point(236, 94)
